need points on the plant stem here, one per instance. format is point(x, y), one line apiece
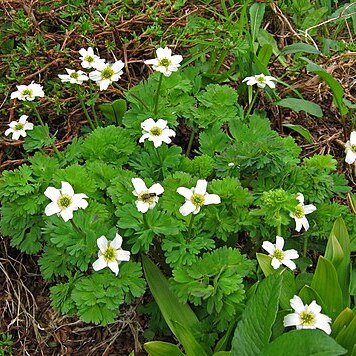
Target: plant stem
point(133, 95)
point(279, 230)
point(160, 162)
point(190, 143)
point(251, 104)
point(55, 149)
point(305, 246)
point(145, 223)
point(190, 226)
point(93, 105)
point(91, 124)
point(157, 94)
point(76, 228)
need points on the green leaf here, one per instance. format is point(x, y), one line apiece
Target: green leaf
point(265, 263)
point(303, 342)
point(342, 321)
point(299, 47)
point(265, 53)
point(161, 348)
point(257, 11)
point(347, 336)
point(301, 105)
point(335, 86)
point(114, 111)
point(325, 283)
point(38, 138)
point(254, 331)
point(174, 312)
point(338, 253)
point(301, 130)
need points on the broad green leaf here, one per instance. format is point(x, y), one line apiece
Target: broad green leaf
point(347, 336)
point(338, 253)
point(265, 263)
point(225, 340)
point(161, 348)
point(179, 317)
point(37, 138)
point(288, 290)
point(299, 47)
point(303, 342)
point(301, 105)
point(342, 321)
point(222, 353)
point(257, 11)
point(265, 53)
point(353, 281)
point(301, 130)
point(325, 283)
point(335, 86)
point(254, 331)
point(308, 294)
point(114, 111)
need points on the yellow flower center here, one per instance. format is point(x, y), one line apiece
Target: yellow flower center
point(110, 254)
point(164, 62)
point(299, 211)
point(147, 197)
point(353, 148)
point(156, 131)
point(260, 79)
point(19, 126)
point(27, 92)
point(307, 318)
point(89, 59)
point(64, 201)
point(279, 254)
point(74, 75)
point(197, 199)
point(107, 73)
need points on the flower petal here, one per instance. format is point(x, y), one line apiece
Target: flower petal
point(139, 185)
point(275, 263)
point(304, 221)
point(291, 254)
point(350, 157)
point(67, 189)
point(322, 322)
point(353, 138)
point(291, 320)
point(162, 124)
point(300, 198)
point(290, 264)
point(142, 207)
point(314, 307)
point(187, 208)
point(297, 304)
point(79, 201)
point(211, 199)
point(201, 187)
point(114, 266)
point(123, 255)
point(102, 243)
point(99, 264)
point(148, 124)
point(52, 208)
point(279, 242)
point(52, 193)
point(156, 188)
point(67, 214)
point(187, 193)
point(269, 247)
point(309, 208)
point(117, 242)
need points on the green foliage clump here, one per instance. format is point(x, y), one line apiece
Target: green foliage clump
point(215, 282)
point(201, 166)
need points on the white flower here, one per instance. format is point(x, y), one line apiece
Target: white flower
point(157, 132)
point(307, 316)
point(165, 63)
point(64, 201)
point(89, 59)
point(280, 257)
point(147, 198)
point(196, 197)
point(350, 149)
point(107, 73)
point(261, 80)
point(28, 92)
point(231, 164)
point(299, 213)
point(18, 128)
point(110, 254)
point(73, 77)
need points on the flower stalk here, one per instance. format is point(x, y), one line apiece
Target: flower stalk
point(157, 93)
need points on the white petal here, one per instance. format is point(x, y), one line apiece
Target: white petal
point(114, 266)
point(52, 193)
point(298, 224)
point(67, 214)
point(187, 208)
point(350, 157)
point(117, 66)
point(102, 243)
point(104, 84)
point(322, 322)
point(83, 52)
point(67, 189)
point(196, 211)
point(28, 126)
point(275, 263)
point(201, 187)
point(269, 247)
point(300, 197)
point(176, 59)
point(353, 138)
point(79, 201)
point(297, 304)
point(96, 75)
point(139, 185)
point(290, 264)
point(16, 135)
point(309, 208)
point(23, 119)
point(157, 140)
point(291, 254)
point(144, 137)
point(279, 242)
point(117, 242)
point(123, 255)
point(142, 207)
point(156, 188)
point(99, 264)
point(304, 221)
point(9, 131)
point(187, 193)
point(314, 307)
point(153, 61)
point(148, 124)
point(162, 124)
point(270, 84)
point(52, 208)
point(211, 199)
point(291, 320)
